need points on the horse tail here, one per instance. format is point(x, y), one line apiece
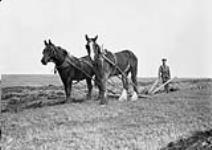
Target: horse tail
point(134, 70)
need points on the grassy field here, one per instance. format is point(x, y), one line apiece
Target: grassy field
point(29, 80)
point(34, 118)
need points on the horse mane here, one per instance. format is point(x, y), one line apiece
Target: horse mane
point(61, 49)
point(71, 57)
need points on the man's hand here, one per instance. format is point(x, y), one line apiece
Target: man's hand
point(159, 79)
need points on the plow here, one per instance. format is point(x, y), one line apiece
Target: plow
point(154, 89)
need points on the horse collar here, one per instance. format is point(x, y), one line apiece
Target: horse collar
point(64, 64)
point(114, 57)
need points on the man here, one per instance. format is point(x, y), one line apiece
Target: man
point(164, 74)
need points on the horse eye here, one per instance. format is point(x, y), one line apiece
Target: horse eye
point(87, 47)
point(96, 47)
point(44, 51)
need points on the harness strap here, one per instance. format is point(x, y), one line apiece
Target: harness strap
point(88, 74)
point(115, 58)
point(109, 60)
point(65, 63)
point(68, 62)
point(127, 68)
point(88, 63)
point(115, 61)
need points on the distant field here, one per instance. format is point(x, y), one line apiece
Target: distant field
point(33, 117)
point(47, 79)
point(30, 80)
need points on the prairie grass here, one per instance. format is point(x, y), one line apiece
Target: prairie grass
point(145, 124)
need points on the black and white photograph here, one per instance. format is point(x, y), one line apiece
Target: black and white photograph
point(106, 74)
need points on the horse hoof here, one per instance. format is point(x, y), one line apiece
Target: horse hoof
point(69, 100)
point(97, 99)
point(134, 96)
point(88, 97)
point(123, 96)
point(63, 101)
point(122, 99)
point(103, 102)
point(102, 105)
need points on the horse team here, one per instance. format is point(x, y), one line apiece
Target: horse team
point(99, 64)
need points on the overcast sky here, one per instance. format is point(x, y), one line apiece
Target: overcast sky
point(180, 30)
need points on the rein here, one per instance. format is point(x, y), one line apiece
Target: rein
point(68, 62)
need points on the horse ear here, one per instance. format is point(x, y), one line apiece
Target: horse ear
point(96, 37)
point(86, 37)
point(50, 42)
point(45, 42)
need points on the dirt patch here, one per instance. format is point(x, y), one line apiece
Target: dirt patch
point(201, 140)
point(18, 98)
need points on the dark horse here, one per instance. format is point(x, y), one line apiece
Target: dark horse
point(66, 66)
point(106, 64)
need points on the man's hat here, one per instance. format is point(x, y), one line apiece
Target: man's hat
point(164, 59)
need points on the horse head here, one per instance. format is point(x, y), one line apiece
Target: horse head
point(52, 53)
point(93, 49)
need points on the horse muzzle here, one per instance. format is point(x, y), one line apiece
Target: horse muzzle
point(43, 61)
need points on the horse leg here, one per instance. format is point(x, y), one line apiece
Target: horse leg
point(103, 100)
point(123, 96)
point(89, 86)
point(68, 87)
point(98, 84)
point(134, 80)
point(100, 92)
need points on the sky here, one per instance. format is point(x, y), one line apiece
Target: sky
point(179, 30)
